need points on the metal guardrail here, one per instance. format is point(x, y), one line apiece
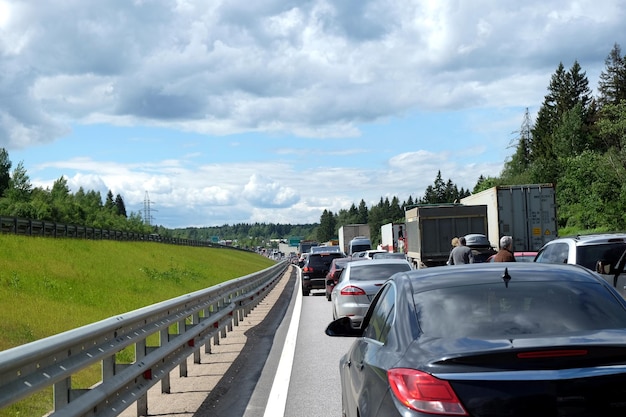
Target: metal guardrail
point(197, 317)
point(42, 228)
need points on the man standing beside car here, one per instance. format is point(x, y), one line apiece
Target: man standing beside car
point(461, 254)
point(505, 254)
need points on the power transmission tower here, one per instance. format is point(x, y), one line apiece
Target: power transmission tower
point(147, 210)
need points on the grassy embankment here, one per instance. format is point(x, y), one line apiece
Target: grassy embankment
point(48, 286)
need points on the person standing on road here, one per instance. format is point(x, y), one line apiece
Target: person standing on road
point(505, 254)
point(461, 254)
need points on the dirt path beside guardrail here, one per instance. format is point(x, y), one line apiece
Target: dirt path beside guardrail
point(233, 359)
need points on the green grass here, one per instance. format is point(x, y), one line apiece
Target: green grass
point(48, 286)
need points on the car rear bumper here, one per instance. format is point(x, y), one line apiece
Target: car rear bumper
point(313, 283)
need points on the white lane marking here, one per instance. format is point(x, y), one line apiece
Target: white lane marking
point(277, 400)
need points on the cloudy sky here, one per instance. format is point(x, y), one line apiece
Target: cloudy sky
point(229, 111)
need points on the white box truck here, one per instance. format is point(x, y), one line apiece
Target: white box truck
point(392, 237)
point(525, 212)
point(350, 231)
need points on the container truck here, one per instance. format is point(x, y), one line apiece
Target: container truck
point(392, 237)
point(430, 229)
point(525, 212)
point(350, 231)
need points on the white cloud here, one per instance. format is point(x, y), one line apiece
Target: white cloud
point(264, 192)
point(309, 77)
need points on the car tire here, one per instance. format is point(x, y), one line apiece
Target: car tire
point(305, 292)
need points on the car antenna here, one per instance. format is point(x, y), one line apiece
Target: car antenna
point(506, 277)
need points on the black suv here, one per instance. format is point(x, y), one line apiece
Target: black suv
point(315, 269)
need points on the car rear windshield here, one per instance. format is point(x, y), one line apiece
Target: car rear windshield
point(522, 309)
point(609, 253)
point(318, 260)
point(375, 272)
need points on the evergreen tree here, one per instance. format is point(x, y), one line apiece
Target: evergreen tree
point(109, 203)
point(326, 230)
point(612, 85)
point(5, 171)
point(120, 206)
point(20, 187)
point(516, 167)
point(362, 216)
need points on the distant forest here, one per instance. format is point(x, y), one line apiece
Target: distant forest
point(577, 143)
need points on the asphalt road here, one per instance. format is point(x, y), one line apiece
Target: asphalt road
point(248, 373)
point(315, 389)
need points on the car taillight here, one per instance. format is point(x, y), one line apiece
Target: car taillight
point(423, 392)
point(352, 290)
point(307, 269)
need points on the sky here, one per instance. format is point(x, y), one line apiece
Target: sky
point(272, 111)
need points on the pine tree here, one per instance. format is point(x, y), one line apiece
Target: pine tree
point(120, 206)
point(517, 166)
point(109, 202)
point(326, 230)
point(612, 85)
point(5, 171)
point(363, 213)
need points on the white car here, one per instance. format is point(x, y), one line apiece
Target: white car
point(370, 253)
point(358, 284)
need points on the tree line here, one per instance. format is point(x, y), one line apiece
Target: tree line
point(578, 143)
point(18, 198)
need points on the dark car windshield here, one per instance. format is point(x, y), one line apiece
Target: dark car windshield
point(376, 272)
point(524, 308)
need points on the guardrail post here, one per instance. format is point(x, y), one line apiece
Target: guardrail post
point(195, 319)
point(61, 393)
point(142, 401)
point(216, 338)
point(166, 386)
point(181, 329)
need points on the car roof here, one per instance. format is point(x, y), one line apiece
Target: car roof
point(592, 238)
point(377, 262)
point(485, 273)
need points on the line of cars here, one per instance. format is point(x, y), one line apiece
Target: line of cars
point(543, 338)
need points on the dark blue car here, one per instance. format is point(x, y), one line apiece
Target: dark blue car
point(488, 340)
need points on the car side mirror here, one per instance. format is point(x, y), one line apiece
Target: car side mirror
point(343, 327)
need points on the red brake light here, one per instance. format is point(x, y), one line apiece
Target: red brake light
point(352, 290)
point(552, 353)
point(307, 269)
point(423, 392)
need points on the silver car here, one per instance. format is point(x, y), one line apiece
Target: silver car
point(358, 284)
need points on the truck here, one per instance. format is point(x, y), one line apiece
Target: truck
point(431, 228)
point(348, 232)
point(392, 237)
point(305, 246)
point(527, 213)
